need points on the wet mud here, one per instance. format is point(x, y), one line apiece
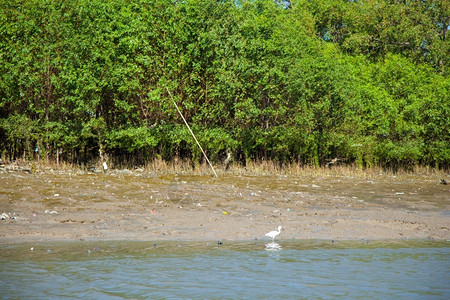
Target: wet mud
point(125, 205)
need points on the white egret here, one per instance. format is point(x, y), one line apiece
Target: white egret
point(274, 233)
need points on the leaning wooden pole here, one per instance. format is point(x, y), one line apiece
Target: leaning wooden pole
point(193, 135)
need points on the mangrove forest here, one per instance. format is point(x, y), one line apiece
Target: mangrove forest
point(300, 81)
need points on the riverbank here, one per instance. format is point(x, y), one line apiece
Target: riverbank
point(140, 205)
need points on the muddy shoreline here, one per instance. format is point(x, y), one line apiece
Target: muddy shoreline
point(144, 206)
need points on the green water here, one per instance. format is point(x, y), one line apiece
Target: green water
point(233, 270)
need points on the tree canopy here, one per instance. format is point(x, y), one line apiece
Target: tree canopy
point(293, 81)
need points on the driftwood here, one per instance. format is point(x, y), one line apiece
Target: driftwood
point(14, 167)
point(335, 162)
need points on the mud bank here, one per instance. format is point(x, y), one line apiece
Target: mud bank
point(125, 205)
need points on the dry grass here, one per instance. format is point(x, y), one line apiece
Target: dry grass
point(261, 168)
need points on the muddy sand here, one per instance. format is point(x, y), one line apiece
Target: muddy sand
point(124, 205)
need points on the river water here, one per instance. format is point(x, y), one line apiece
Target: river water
point(292, 269)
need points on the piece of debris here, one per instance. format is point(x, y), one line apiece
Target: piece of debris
point(442, 181)
point(5, 216)
point(335, 162)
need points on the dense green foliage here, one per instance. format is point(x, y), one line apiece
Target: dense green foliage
point(292, 81)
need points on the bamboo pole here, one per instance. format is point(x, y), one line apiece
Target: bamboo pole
point(187, 125)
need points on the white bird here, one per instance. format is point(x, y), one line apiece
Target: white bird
point(274, 233)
